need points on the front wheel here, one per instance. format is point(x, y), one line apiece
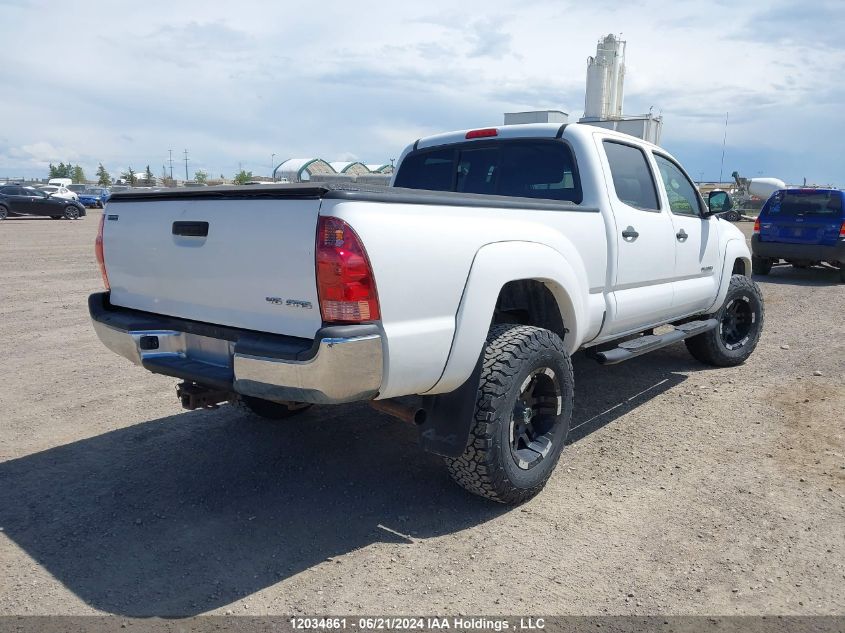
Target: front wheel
point(522, 415)
point(740, 325)
point(71, 212)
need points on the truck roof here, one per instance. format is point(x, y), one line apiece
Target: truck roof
point(524, 130)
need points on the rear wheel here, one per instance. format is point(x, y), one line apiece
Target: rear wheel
point(761, 265)
point(842, 272)
point(740, 325)
point(269, 410)
point(71, 212)
point(522, 415)
point(4, 212)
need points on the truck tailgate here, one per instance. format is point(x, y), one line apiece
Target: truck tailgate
point(237, 261)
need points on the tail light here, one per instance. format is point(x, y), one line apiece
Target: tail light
point(842, 230)
point(345, 282)
point(98, 249)
point(757, 226)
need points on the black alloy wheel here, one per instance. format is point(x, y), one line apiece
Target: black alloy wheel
point(536, 416)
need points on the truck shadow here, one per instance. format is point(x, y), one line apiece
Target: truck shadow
point(191, 512)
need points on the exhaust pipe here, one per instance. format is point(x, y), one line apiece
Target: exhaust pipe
point(414, 415)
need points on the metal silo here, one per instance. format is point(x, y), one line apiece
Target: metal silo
point(605, 79)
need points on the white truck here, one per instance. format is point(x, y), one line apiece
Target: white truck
point(463, 289)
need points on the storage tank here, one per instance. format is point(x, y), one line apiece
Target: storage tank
point(605, 79)
point(764, 187)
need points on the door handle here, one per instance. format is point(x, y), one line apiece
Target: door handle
point(190, 229)
point(630, 234)
point(681, 235)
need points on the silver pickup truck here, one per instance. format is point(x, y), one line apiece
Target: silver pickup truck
point(467, 285)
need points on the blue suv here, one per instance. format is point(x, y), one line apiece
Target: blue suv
point(802, 226)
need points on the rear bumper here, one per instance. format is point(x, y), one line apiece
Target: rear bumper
point(812, 252)
point(342, 364)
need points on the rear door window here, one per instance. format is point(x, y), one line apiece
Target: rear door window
point(632, 177)
point(527, 169)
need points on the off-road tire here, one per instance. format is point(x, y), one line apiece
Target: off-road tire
point(715, 347)
point(71, 212)
point(4, 212)
point(488, 467)
point(761, 265)
point(268, 410)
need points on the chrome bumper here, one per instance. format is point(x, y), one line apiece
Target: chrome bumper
point(330, 370)
point(343, 370)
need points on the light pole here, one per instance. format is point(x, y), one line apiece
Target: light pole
point(272, 162)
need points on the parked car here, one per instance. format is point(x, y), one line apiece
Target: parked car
point(464, 288)
point(804, 227)
point(60, 182)
point(59, 192)
point(95, 197)
point(78, 188)
point(19, 200)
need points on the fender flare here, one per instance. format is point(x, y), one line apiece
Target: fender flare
point(734, 249)
point(495, 265)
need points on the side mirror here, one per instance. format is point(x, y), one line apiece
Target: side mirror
point(719, 202)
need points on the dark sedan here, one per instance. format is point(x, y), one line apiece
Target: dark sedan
point(20, 200)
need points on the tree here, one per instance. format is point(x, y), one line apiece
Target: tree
point(103, 178)
point(242, 177)
point(201, 176)
point(62, 171)
point(78, 174)
point(130, 176)
point(148, 176)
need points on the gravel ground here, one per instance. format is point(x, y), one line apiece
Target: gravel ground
point(686, 490)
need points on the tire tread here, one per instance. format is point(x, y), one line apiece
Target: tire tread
point(479, 470)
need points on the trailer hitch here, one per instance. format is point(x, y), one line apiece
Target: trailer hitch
point(195, 396)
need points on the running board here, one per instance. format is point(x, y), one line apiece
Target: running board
point(651, 342)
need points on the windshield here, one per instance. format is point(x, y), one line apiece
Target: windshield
point(93, 191)
point(806, 203)
point(50, 189)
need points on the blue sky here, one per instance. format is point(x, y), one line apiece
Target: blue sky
point(123, 82)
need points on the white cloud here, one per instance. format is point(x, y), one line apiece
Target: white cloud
point(336, 79)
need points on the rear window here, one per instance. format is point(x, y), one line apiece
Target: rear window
point(806, 203)
point(534, 169)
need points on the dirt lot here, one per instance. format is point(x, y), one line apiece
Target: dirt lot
point(686, 490)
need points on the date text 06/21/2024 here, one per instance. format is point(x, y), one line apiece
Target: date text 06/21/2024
point(417, 623)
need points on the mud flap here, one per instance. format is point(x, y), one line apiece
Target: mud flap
point(449, 417)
